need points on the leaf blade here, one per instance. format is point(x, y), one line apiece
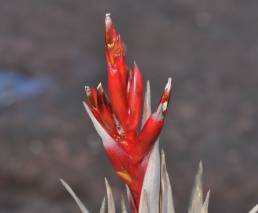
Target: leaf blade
point(75, 197)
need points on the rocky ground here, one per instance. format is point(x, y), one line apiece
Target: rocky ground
point(210, 48)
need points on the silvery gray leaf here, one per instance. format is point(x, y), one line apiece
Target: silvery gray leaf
point(123, 207)
point(106, 138)
point(77, 200)
point(254, 209)
point(151, 182)
point(103, 206)
point(196, 201)
point(100, 130)
point(206, 203)
point(166, 196)
point(110, 198)
point(144, 204)
point(146, 104)
point(128, 193)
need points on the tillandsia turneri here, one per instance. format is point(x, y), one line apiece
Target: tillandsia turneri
point(134, 154)
point(118, 117)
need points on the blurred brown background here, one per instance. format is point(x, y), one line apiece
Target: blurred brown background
point(49, 49)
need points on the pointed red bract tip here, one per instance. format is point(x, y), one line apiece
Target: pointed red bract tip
point(110, 30)
point(166, 96)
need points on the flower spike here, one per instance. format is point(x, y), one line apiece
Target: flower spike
point(117, 119)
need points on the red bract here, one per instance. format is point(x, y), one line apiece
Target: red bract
point(117, 119)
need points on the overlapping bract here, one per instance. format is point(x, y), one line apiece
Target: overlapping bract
point(117, 118)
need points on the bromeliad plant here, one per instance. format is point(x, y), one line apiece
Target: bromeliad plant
point(117, 119)
point(133, 150)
